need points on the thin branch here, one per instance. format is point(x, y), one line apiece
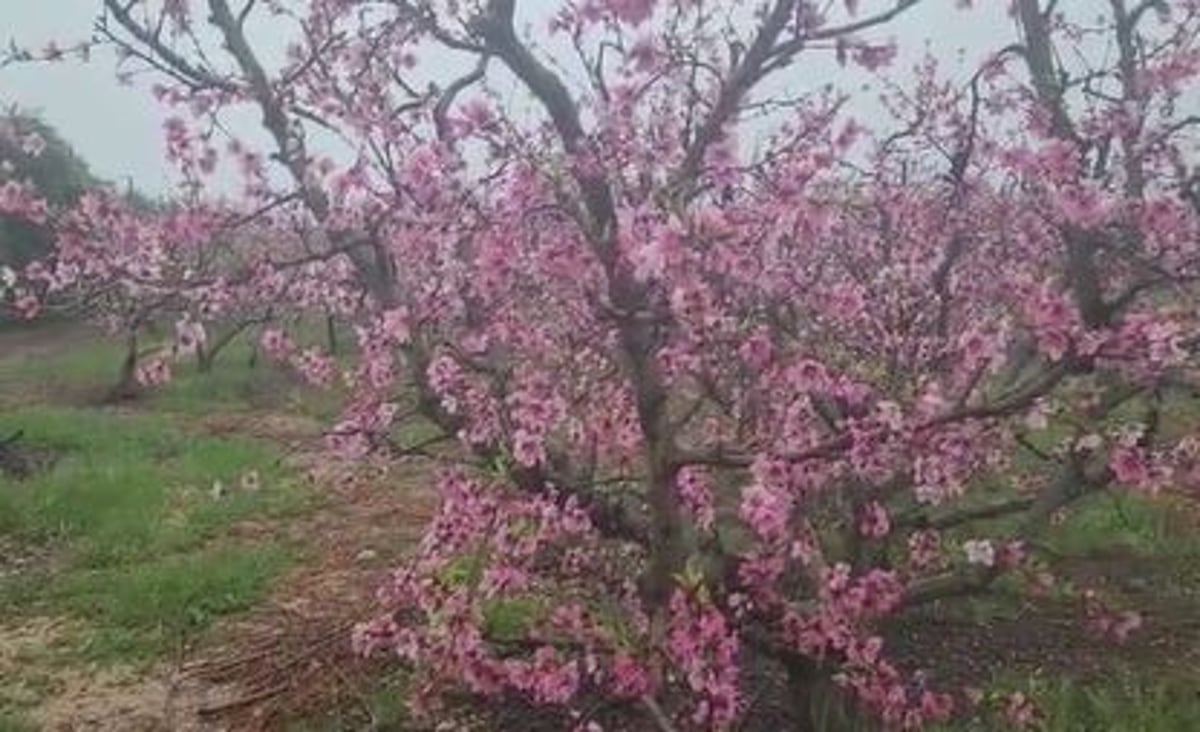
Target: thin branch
point(496, 28)
point(245, 12)
point(179, 66)
point(661, 720)
point(442, 108)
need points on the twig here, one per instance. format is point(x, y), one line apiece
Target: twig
point(244, 701)
point(658, 715)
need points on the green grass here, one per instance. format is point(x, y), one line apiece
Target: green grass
point(1130, 706)
point(12, 722)
point(126, 532)
point(1123, 521)
point(233, 385)
point(85, 362)
point(149, 608)
point(85, 368)
point(379, 709)
point(1125, 702)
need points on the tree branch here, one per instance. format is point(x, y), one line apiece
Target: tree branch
point(196, 75)
point(496, 28)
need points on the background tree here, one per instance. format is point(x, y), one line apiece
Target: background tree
point(31, 150)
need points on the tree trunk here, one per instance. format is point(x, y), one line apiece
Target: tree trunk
point(205, 359)
point(127, 386)
point(816, 702)
point(669, 547)
point(11, 461)
point(331, 334)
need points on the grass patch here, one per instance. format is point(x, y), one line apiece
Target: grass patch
point(381, 708)
point(149, 608)
point(1118, 520)
point(83, 365)
point(128, 532)
point(127, 486)
point(1126, 702)
point(233, 384)
point(13, 722)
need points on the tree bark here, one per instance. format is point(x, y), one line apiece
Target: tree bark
point(127, 386)
point(331, 335)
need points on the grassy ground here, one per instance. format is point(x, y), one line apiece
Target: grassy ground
point(117, 555)
point(122, 540)
point(73, 366)
point(1126, 703)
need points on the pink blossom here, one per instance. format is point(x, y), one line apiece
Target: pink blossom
point(630, 679)
point(1020, 711)
point(874, 521)
point(924, 549)
point(695, 490)
point(154, 373)
point(1132, 466)
point(634, 12)
point(766, 511)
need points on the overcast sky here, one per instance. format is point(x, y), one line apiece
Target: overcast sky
point(117, 128)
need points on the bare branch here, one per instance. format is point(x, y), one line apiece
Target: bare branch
point(442, 108)
point(496, 28)
point(245, 12)
point(179, 66)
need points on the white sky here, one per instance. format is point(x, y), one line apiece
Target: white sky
point(117, 129)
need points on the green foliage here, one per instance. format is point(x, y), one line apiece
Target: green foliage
point(511, 618)
point(58, 172)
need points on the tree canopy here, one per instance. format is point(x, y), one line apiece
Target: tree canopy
point(32, 151)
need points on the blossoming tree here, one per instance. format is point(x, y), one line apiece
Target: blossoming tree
point(736, 376)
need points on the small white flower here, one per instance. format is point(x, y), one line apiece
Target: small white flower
point(929, 495)
point(1038, 418)
point(1130, 435)
point(980, 551)
point(251, 481)
point(33, 145)
point(1089, 442)
point(8, 278)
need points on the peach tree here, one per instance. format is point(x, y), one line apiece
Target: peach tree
point(736, 373)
